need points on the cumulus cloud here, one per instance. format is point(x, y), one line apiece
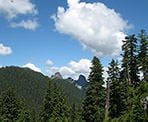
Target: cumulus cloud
point(49, 62)
point(96, 26)
point(12, 8)
point(72, 69)
point(29, 24)
point(4, 50)
point(82, 66)
point(33, 67)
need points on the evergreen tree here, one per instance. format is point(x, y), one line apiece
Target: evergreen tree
point(54, 107)
point(12, 109)
point(118, 90)
point(143, 54)
point(129, 62)
point(9, 106)
point(47, 104)
point(136, 112)
point(94, 102)
point(75, 114)
point(24, 113)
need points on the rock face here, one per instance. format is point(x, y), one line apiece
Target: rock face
point(71, 80)
point(81, 82)
point(57, 76)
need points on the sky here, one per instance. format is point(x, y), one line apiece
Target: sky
point(51, 36)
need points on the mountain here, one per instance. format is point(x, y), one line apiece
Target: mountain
point(81, 83)
point(32, 85)
point(28, 84)
point(57, 76)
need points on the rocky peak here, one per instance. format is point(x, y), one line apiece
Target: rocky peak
point(81, 82)
point(57, 75)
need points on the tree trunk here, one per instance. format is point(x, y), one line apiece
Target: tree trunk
point(107, 100)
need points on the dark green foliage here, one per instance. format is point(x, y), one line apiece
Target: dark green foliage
point(75, 114)
point(12, 109)
point(9, 106)
point(129, 65)
point(143, 54)
point(55, 108)
point(118, 90)
point(136, 110)
point(94, 102)
point(73, 94)
point(32, 85)
point(28, 84)
point(113, 71)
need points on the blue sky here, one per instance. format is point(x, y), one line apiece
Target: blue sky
point(64, 35)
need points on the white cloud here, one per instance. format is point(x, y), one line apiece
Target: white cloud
point(4, 50)
point(12, 8)
point(105, 74)
point(82, 66)
point(32, 66)
point(96, 26)
point(29, 24)
point(72, 69)
point(49, 62)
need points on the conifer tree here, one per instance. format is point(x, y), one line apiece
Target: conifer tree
point(118, 90)
point(94, 102)
point(9, 106)
point(55, 107)
point(129, 62)
point(143, 54)
point(136, 112)
point(12, 108)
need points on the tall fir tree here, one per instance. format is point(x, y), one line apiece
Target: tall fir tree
point(143, 54)
point(94, 102)
point(55, 108)
point(129, 62)
point(118, 90)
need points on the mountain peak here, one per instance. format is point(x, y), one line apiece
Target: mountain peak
point(57, 75)
point(81, 82)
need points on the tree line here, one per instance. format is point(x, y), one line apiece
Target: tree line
point(124, 99)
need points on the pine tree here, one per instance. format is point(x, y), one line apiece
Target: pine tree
point(9, 106)
point(118, 90)
point(55, 107)
point(94, 102)
point(143, 54)
point(47, 104)
point(75, 114)
point(135, 102)
point(24, 113)
point(129, 62)
point(12, 108)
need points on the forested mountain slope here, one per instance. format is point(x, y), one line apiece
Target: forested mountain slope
point(32, 85)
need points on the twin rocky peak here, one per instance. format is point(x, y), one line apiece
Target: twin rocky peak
point(81, 83)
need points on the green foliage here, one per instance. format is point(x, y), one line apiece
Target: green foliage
point(32, 85)
point(143, 54)
point(28, 84)
point(73, 94)
point(12, 109)
point(54, 106)
point(129, 62)
point(94, 102)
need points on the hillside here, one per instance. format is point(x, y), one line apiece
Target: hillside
point(32, 85)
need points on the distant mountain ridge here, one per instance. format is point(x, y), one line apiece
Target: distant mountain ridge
point(32, 85)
